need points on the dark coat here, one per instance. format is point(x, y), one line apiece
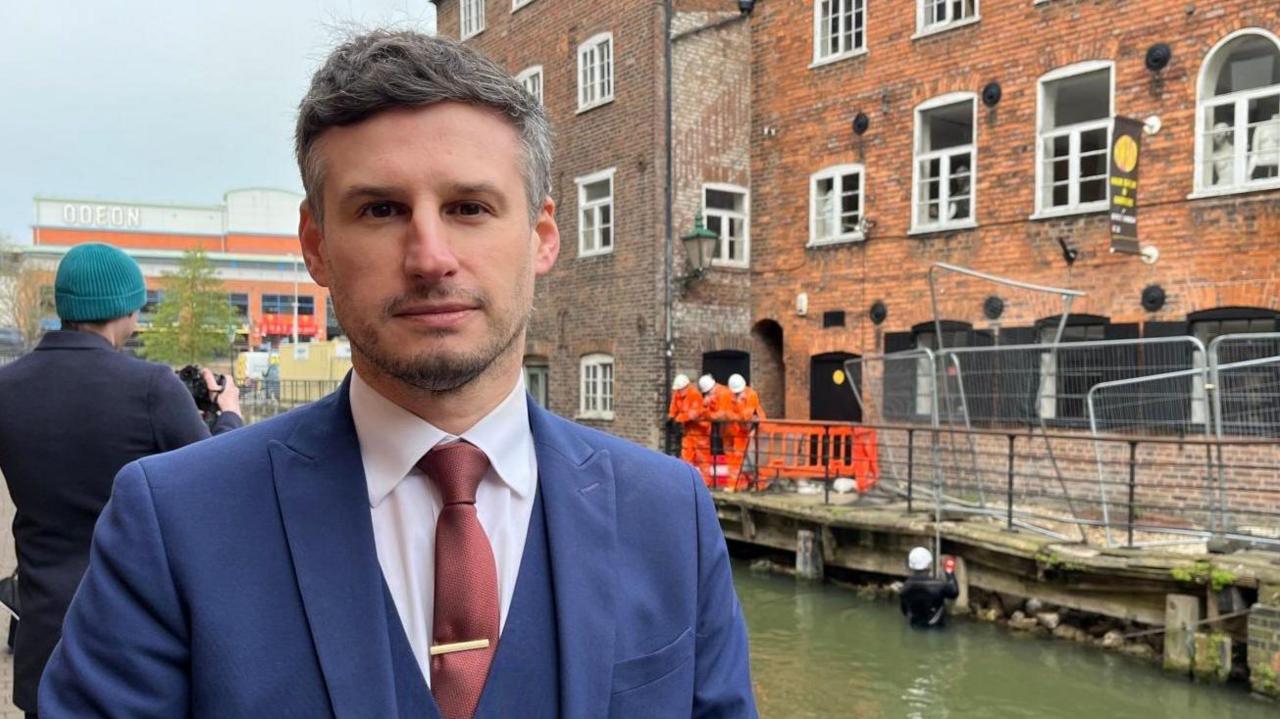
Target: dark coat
point(73, 412)
point(923, 599)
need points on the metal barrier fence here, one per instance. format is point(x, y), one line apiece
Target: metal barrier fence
point(1244, 376)
point(1225, 400)
point(1140, 490)
point(262, 399)
point(1059, 397)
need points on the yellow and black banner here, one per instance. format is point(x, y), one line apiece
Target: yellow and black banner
point(1126, 147)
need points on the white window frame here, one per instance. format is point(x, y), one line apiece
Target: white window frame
point(1205, 100)
point(1073, 206)
point(592, 375)
point(470, 18)
point(727, 215)
point(601, 87)
point(595, 249)
point(528, 74)
point(537, 380)
point(921, 226)
point(820, 57)
point(836, 172)
point(924, 29)
point(517, 4)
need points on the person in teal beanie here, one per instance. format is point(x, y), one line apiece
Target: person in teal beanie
point(99, 284)
point(73, 412)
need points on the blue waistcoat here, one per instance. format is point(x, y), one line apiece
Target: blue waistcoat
point(523, 680)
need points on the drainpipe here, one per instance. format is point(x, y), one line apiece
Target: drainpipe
point(668, 256)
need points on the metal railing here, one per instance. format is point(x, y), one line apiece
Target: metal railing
point(1158, 387)
point(262, 399)
point(1144, 490)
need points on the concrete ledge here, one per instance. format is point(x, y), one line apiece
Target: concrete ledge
point(1125, 584)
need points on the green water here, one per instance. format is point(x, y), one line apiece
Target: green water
point(820, 651)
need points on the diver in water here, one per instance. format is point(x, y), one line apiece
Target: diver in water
point(923, 597)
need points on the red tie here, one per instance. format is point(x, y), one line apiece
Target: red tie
point(466, 604)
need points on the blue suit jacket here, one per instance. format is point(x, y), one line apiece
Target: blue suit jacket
point(238, 577)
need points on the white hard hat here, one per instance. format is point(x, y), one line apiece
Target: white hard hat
point(919, 559)
point(737, 383)
point(705, 383)
point(680, 382)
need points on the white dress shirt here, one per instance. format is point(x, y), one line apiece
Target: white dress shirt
point(404, 503)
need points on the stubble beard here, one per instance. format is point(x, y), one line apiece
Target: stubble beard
point(438, 371)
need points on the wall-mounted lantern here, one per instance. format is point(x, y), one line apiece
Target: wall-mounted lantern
point(699, 249)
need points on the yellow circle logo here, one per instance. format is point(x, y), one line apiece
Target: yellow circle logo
point(838, 377)
point(1126, 153)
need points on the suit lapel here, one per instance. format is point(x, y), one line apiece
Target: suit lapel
point(324, 502)
point(579, 500)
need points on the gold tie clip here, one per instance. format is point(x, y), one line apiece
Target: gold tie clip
point(459, 647)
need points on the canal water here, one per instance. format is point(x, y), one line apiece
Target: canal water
point(822, 651)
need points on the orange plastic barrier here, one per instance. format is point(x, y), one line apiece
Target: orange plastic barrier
point(797, 450)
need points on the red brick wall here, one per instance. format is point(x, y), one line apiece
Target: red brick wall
point(607, 303)
point(1213, 252)
point(711, 84)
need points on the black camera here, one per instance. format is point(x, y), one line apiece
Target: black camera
point(199, 389)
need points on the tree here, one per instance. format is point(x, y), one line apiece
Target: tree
point(24, 301)
point(194, 319)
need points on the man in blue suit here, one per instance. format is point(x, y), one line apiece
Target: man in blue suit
point(425, 542)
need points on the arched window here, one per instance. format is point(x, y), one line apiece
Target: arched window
point(1244, 391)
point(944, 382)
point(1238, 124)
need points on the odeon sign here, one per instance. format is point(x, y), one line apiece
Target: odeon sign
point(102, 216)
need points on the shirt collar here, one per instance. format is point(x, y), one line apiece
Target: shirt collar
point(393, 439)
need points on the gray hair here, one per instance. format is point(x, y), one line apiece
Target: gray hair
point(384, 69)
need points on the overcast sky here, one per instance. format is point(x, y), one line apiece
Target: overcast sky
point(161, 100)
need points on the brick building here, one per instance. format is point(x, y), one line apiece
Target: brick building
point(250, 238)
point(973, 132)
point(977, 132)
point(607, 332)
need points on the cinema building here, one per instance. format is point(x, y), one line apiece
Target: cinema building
point(250, 237)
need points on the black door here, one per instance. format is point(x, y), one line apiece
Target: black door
point(723, 363)
point(830, 388)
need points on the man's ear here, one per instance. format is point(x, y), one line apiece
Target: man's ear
point(311, 238)
point(547, 235)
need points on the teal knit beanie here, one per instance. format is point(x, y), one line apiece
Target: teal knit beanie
point(96, 283)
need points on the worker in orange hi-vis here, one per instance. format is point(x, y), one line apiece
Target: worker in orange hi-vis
point(717, 410)
point(686, 404)
point(745, 411)
point(697, 430)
